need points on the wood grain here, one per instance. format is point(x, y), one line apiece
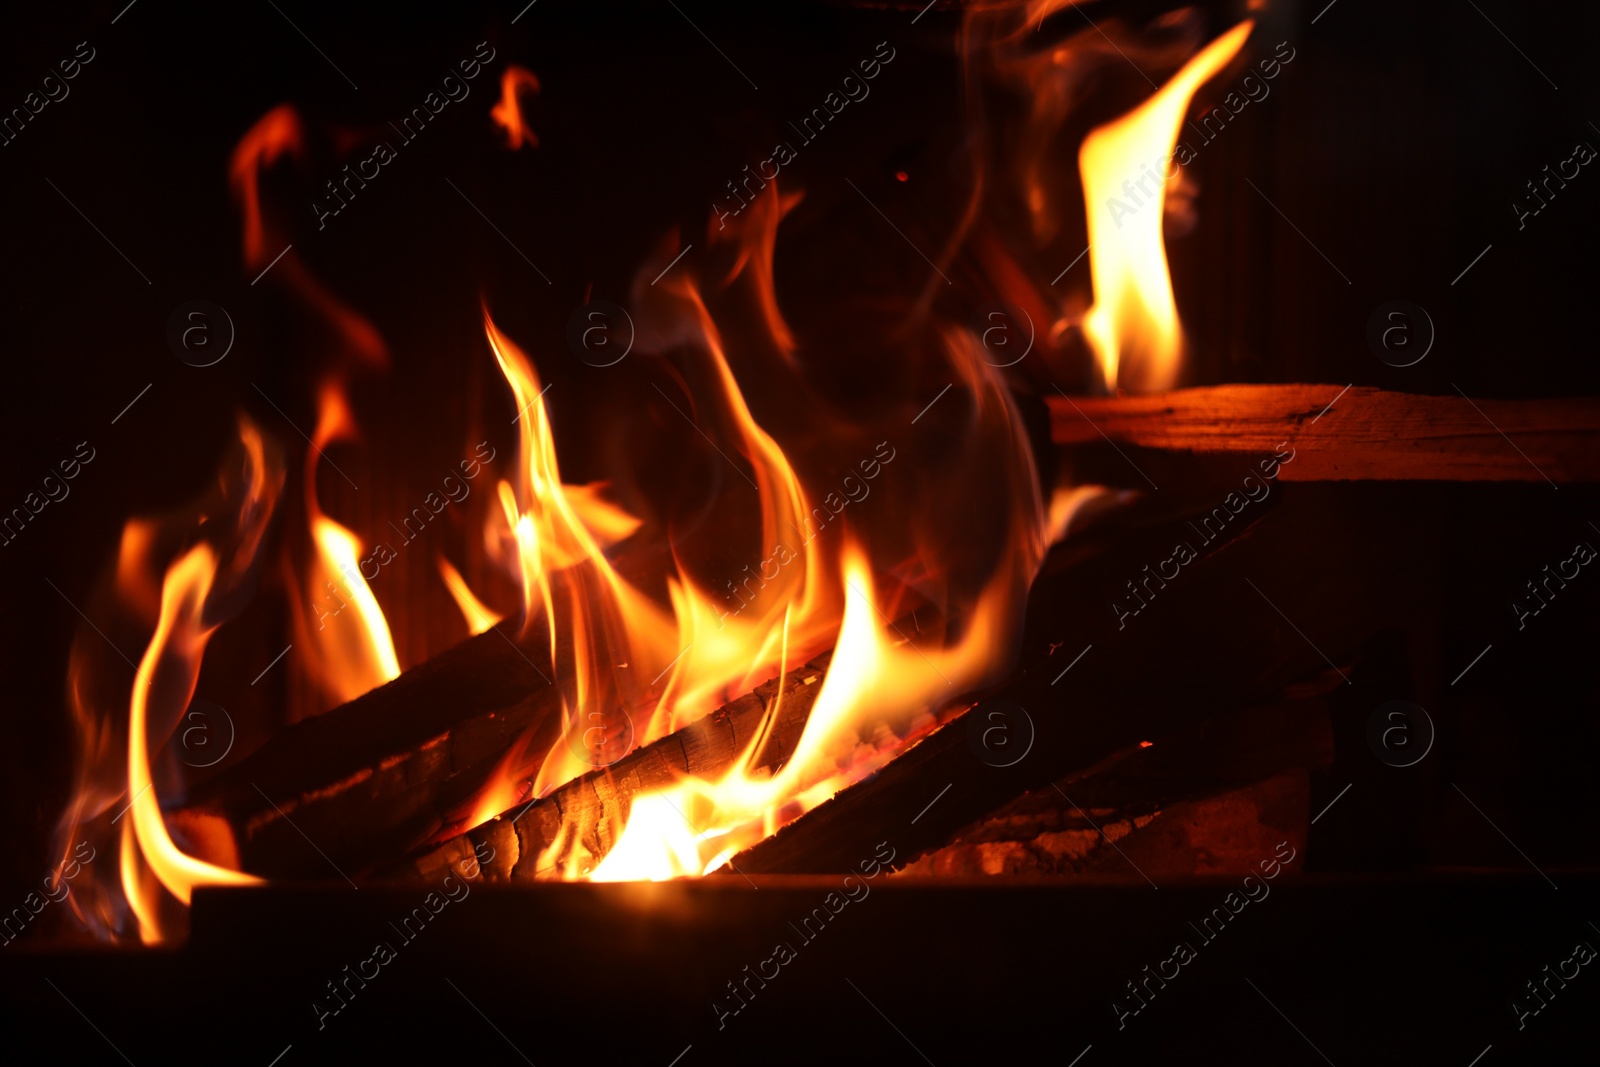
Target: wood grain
point(1349, 434)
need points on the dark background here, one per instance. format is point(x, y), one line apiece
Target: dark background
point(1396, 141)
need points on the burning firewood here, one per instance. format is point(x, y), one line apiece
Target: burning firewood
point(375, 776)
point(1143, 634)
point(1225, 645)
point(1349, 434)
point(583, 817)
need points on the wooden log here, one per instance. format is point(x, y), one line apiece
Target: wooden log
point(593, 806)
point(590, 809)
point(1347, 434)
point(370, 781)
point(1211, 642)
point(373, 778)
point(376, 777)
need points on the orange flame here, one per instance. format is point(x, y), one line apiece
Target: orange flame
point(194, 592)
point(479, 617)
point(347, 656)
point(881, 694)
point(591, 601)
point(507, 114)
point(665, 660)
point(679, 665)
point(178, 646)
point(1133, 325)
point(698, 656)
point(882, 691)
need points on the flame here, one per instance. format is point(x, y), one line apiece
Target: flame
point(215, 547)
point(606, 522)
point(479, 617)
point(139, 887)
point(615, 648)
point(347, 654)
point(178, 646)
point(507, 114)
point(1133, 325)
point(663, 655)
point(684, 660)
point(877, 683)
point(275, 134)
point(138, 584)
point(756, 239)
point(590, 602)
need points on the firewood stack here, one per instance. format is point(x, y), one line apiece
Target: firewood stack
point(1159, 706)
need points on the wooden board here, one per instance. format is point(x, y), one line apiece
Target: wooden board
point(1347, 434)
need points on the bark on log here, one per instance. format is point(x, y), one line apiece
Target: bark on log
point(1341, 434)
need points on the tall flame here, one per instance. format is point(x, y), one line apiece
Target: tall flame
point(616, 648)
point(172, 658)
point(682, 659)
point(1133, 325)
point(200, 589)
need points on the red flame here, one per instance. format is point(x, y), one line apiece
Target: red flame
point(275, 134)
